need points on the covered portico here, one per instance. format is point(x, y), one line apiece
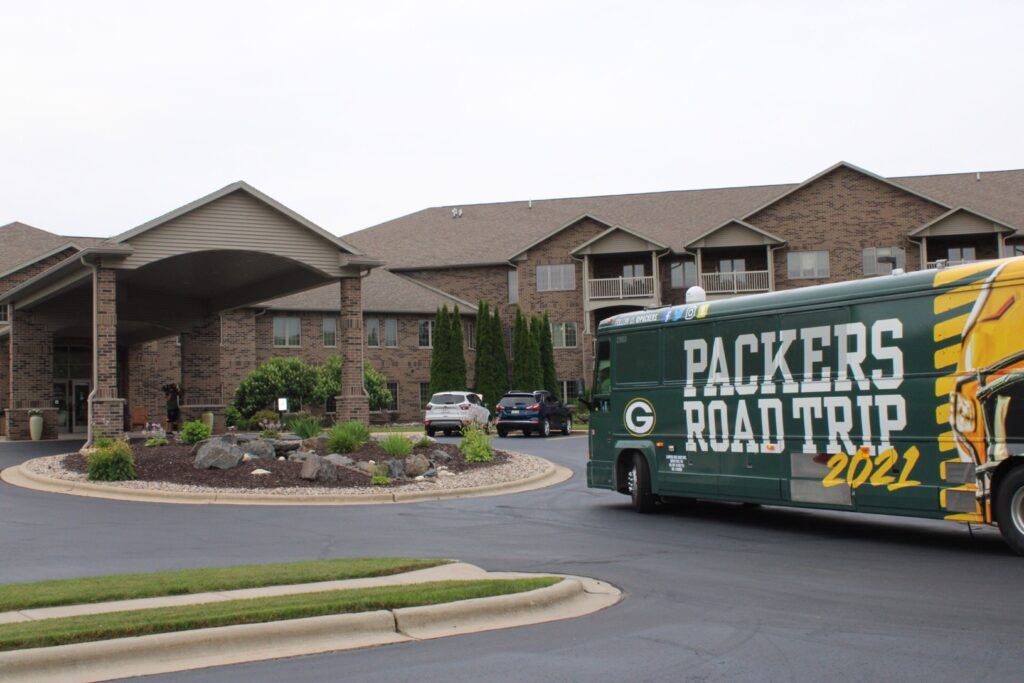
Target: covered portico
point(174, 276)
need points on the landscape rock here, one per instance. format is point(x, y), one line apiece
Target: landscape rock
point(396, 469)
point(217, 453)
point(286, 445)
point(318, 469)
point(430, 473)
point(339, 459)
point(416, 465)
point(259, 449)
point(260, 471)
point(301, 455)
point(367, 466)
point(437, 455)
point(317, 443)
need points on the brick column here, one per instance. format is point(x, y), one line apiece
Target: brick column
point(201, 372)
point(353, 403)
point(30, 374)
point(106, 409)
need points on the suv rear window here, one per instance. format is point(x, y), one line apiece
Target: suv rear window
point(447, 399)
point(513, 401)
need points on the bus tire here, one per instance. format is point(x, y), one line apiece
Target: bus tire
point(1009, 512)
point(640, 485)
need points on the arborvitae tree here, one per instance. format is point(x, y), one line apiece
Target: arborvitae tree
point(500, 356)
point(440, 371)
point(456, 356)
point(547, 358)
point(483, 348)
point(521, 377)
point(536, 370)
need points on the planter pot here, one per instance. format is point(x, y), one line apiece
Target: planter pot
point(35, 427)
point(207, 419)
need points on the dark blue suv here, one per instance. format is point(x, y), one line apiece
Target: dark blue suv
point(532, 412)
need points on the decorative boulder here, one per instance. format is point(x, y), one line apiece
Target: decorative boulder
point(437, 455)
point(318, 469)
point(338, 459)
point(396, 469)
point(219, 454)
point(316, 443)
point(286, 445)
point(367, 466)
point(260, 449)
point(302, 455)
point(416, 465)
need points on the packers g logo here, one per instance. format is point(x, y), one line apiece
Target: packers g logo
point(639, 417)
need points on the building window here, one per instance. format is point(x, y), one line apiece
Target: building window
point(469, 328)
point(513, 286)
point(4, 316)
point(286, 332)
point(961, 254)
point(882, 260)
point(633, 270)
point(426, 334)
point(330, 331)
point(684, 274)
point(802, 265)
point(570, 390)
point(1016, 250)
point(556, 278)
point(563, 335)
point(390, 332)
point(372, 332)
point(424, 394)
point(393, 388)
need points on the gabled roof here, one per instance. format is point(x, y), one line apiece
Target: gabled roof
point(830, 169)
point(22, 245)
point(238, 186)
point(544, 238)
point(654, 244)
point(963, 209)
point(743, 224)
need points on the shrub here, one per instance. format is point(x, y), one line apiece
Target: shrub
point(278, 377)
point(263, 416)
point(396, 445)
point(103, 442)
point(305, 427)
point(194, 432)
point(232, 415)
point(270, 434)
point(112, 463)
point(423, 442)
point(347, 437)
point(380, 476)
point(327, 381)
point(376, 387)
point(154, 441)
point(475, 445)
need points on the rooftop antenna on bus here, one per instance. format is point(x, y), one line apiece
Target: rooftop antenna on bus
point(695, 295)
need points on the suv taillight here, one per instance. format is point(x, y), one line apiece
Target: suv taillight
point(535, 406)
point(464, 406)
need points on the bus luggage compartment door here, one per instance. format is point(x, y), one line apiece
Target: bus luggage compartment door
point(686, 472)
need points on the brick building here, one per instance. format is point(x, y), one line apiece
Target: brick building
point(578, 259)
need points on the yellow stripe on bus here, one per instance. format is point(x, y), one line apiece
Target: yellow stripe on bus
point(948, 275)
point(950, 328)
point(942, 414)
point(961, 296)
point(965, 517)
point(946, 442)
point(944, 385)
point(946, 356)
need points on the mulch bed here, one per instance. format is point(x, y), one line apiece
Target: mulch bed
point(173, 463)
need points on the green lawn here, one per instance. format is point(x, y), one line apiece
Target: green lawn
point(18, 596)
point(63, 631)
point(397, 428)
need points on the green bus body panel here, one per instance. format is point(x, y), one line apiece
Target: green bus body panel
point(864, 395)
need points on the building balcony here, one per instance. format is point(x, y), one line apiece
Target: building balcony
point(946, 263)
point(621, 287)
point(736, 282)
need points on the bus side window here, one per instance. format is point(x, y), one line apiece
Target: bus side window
point(603, 378)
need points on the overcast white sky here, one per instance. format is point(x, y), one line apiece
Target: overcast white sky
point(355, 113)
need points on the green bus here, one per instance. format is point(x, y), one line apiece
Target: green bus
point(901, 394)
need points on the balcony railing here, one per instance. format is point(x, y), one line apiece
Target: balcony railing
point(945, 263)
point(621, 287)
point(734, 283)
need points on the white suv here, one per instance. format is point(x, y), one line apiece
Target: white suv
point(450, 411)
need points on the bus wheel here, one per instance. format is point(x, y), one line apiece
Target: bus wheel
point(640, 485)
point(1010, 509)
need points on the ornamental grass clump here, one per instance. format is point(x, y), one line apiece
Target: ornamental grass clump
point(380, 476)
point(305, 427)
point(475, 444)
point(396, 445)
point(347, 437)
point(112, 463)
point(194, 432)
point(155, 441)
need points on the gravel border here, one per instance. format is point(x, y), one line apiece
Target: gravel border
point(520, 468)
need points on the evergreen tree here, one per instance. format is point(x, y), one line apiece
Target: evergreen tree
point(440, 374)
point(547, 358)
point(499, 372)
point(520, 353)
point(483, 349)
point(534, 367)
point(456, 356)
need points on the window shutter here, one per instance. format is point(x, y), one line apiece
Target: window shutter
point(870, 261)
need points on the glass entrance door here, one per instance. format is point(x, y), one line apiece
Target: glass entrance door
point(79, 406)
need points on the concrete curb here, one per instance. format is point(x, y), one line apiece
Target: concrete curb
point(164, 653)
point(21, 476)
